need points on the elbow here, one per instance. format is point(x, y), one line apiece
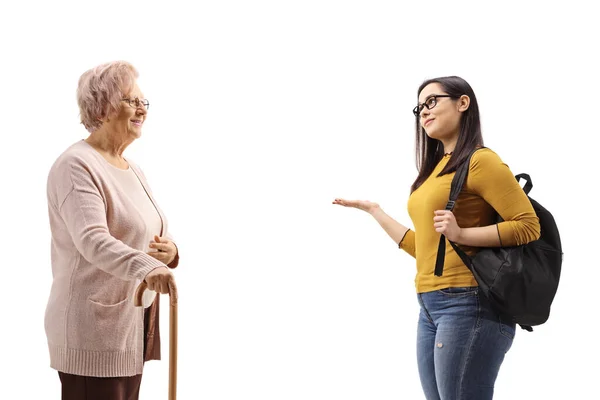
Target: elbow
point(407, 243)
point(535, 229)
point(94, 244)
point(538, 232)
point(530, 230)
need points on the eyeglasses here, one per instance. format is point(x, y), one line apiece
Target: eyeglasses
point(137, 103)
point(429, 103)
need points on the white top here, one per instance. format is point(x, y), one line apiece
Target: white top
point(133, 189)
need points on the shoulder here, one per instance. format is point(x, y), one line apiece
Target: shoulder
point(74, 155)
point(485, 158)
point(78, 165)
point(79, 153)
point(60, 177)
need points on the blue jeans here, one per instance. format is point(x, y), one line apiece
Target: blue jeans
point(461, 344)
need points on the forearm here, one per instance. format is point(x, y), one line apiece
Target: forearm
point(104, 251)
point(85, 219)
point(393, 228)
point(484, 236)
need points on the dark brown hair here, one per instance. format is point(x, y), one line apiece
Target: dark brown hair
point(430, 151)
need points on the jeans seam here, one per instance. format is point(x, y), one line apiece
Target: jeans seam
point(422, 304)
point(467, 359)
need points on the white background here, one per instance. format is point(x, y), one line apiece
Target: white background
point(261, 114)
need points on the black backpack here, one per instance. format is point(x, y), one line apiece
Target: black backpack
point(520, 282)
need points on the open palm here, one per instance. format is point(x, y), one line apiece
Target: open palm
point(364, 205)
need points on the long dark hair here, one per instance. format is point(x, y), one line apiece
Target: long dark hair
point(430, 151)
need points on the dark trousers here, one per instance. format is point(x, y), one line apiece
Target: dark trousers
point(76, 387)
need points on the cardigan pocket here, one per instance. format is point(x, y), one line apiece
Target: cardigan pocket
point(111, 327)
point(101, 304)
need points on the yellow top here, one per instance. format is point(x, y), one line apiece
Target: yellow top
point(490, 186)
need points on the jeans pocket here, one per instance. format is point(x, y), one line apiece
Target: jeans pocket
point(507, 329)
point(459, 291)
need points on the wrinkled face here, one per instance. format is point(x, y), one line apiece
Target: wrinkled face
point(440, 117)
point(128, 120)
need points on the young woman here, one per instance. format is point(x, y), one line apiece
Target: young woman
point(461, 342)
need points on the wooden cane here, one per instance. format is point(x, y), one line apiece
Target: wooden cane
point(172, 332)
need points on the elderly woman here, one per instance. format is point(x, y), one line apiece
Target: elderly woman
point(108, 234)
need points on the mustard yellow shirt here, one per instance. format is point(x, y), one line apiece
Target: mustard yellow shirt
point(490, 186)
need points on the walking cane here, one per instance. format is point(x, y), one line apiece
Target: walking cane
point(172, 332)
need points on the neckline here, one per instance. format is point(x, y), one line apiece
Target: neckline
point(105, 160)
point(120, 169)
point(132, 171)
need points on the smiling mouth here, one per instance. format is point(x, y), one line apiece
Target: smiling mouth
point(137, 122)
point(428, 122)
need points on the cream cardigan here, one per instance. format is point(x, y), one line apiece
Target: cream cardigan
point(98, 237)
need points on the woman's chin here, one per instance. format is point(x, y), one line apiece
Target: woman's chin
point(135, 133)
point(437, 135)
point(432, 134)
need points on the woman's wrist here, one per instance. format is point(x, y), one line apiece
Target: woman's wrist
point(375, 211)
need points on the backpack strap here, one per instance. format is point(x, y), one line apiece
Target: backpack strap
point(529, 185)
point(458, 182)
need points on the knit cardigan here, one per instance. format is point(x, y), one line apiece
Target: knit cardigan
point(92, 326)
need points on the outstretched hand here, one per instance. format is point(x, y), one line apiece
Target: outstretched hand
point(364, 205)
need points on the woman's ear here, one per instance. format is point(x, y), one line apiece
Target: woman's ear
point(463, 103)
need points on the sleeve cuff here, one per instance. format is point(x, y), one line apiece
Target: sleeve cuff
point(407, 243)
point(175, 262)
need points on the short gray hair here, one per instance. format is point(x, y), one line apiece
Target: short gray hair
point(101, 89)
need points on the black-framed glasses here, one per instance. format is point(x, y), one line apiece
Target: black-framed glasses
point(137, 103)
point(430, 102)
